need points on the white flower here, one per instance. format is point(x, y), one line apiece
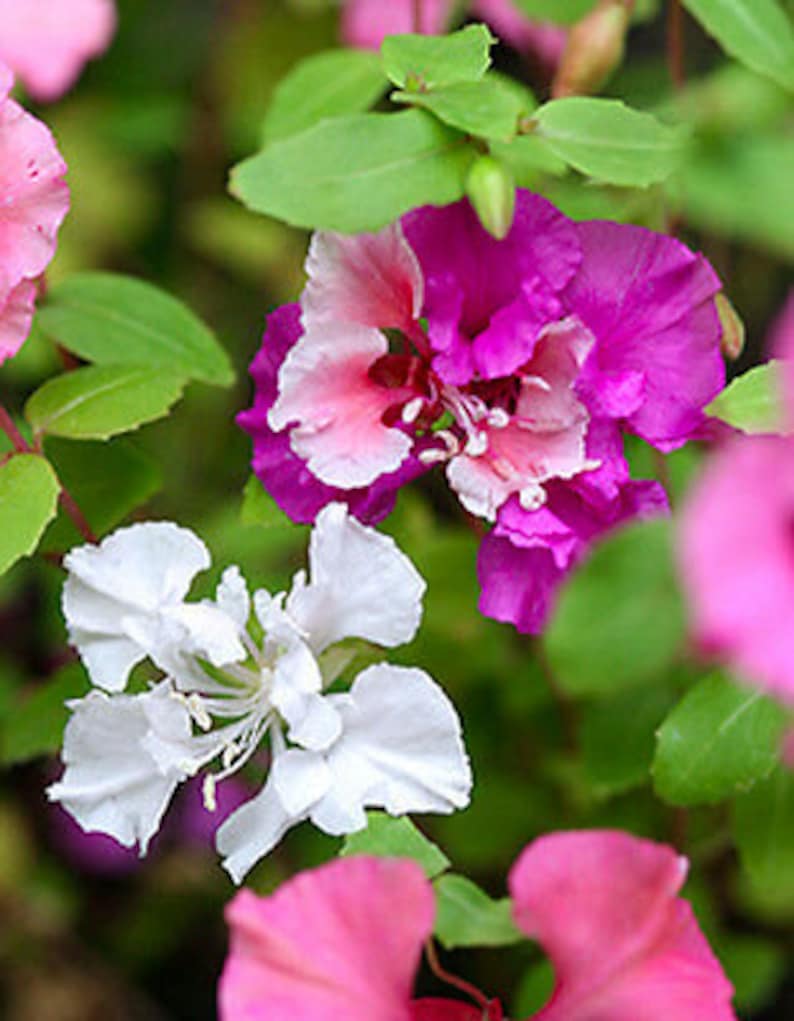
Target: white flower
point(393, 741)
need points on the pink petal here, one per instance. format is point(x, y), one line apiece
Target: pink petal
point(444, 1010)
point(15, 319)
point(603, 905)
point(736, 557)
point(342, 941)
point(781, 345)
point(366, 23)
point(335, 408)
point(46, 42)
point(369, 279)
point(33, 196)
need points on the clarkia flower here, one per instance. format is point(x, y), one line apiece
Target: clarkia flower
point(47, 42)
point(736, 545)
point(345, 940)
point(34, 199)
point(516, 364)
point(392, 741)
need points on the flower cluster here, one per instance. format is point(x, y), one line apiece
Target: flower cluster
point(392, 741)
point(46, 42)
point(737, 545)
point(515, 364)
point(35, 199)
point(345, 940)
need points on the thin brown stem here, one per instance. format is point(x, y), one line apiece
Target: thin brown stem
point(675, 44)
point(453, 980)
point(8, 426)
point(418, 19)
point(78, 518)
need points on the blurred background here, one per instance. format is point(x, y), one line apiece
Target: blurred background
point(87, 931)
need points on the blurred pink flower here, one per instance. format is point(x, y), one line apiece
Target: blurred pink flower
point(345, 940)
point(46, 42)
point(34, 199)
point(736, 547)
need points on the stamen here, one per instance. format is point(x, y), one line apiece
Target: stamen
point(412, 410)
point(433, 455)
point(476, 444)
point(498, 418)
point(539, 382)
point(208, 790)
point(532, 497)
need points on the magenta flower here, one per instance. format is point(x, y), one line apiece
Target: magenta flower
point(46, 42)
point(515, 364)
point(345, 940)
point(34, 199)
point(736, 547)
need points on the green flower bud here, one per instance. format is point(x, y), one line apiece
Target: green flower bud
point(594, 49)
point(492, 191)
point(733, 333)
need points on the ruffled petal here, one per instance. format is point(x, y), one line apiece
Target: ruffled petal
point(603, 905)
point(252, 831)
point(16, 316)
point(342, 941)
point(362, 586)
point(401, 749)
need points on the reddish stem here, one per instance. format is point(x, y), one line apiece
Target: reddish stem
point(418, 19)
point(9, 428)
point(675, 43)
point(453, 980)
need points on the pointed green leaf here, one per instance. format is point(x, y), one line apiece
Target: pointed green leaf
point(325, 85)
point(386, 837)
point(752, 402)
point(29, 492)
point(467, 917)
point(716, 743)
point(356, 173)
point(425, 60)
point(101, 400)
point(484, 108)
point(764, 833)
point(608, 140)
point(117, 320)
point(34, 723)
point(757, 32)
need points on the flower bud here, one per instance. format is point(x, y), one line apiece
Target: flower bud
point(733, 333)
point(595, 48)
point(492, 191)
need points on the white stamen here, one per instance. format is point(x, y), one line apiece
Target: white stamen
point(412, 410)
point(591, 465)
point(532, 497)
point(450, 441)
point(539, 382)
point(433, 455)
point(230, 753)
point(198, 712)
point(498, 418)
point(476, 444)
point(208, 793)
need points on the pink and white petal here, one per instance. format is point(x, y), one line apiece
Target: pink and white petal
point(16, 316)
point(46, 42)
point(33, 194)
point(401, 749)
point(603, 905)
point(144, 566)
point(341, 941)
point(366, 23)
point(370, 279)
point(252, 831)
point(336, 409)
point(362, 585)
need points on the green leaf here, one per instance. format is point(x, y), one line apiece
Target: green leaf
point(753, 402)
point(325, 85)
point(756, 32)
point(608, 140)
point(34, 725)
point(764, 833)
point(528, 156)
point(386, 837)
point(617, 739)
point(716, 743)
point(107, 481)
point(29, 492)
point(467, 917)
point(564, 12)
point(755, 967)
point(426, 61)
point(101, 400)
point(483, 108)
point(619, 621)
point(356, 173)
point(118, 320)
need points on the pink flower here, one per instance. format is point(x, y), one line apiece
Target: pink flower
point(46, 42)
point(34, 199)
point(345, 940)
point(366, 23)
point(736, 546)
point(516, 364)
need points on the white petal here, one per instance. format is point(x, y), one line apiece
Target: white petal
point(145, 566)
point(252, 831)
point(232, 597)
point(362, 585)
point(107, 658)
point(401, 749)
point(301, 779)
point(208, 633)
point(113, 783)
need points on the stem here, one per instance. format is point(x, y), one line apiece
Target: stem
point(21, 446)
point(452, 980)
point(418, 19)
point(675, 44)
